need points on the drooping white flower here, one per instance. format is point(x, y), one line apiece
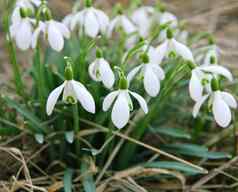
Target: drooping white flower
point(73, 91)
point(101, 71)
point(122, 106)
point(23, 4)
point(121, 21)
point(91, 21)
point(172, 45)
point(221, 104)
point(201, 79)
point(152, 74)
point(142, 17)
point(54, 32)
point(22, 31)
point(167, 18)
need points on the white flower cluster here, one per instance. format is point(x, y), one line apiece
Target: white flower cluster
point(205, 79)
point(27, 25)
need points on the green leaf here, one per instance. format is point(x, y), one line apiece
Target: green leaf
point(172, 132)
point(194, 150)
point(88, 181)
point(34, 122)
point(68, 174)
point(173, 165)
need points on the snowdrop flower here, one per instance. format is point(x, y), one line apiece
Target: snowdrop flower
point(123, 103)
point(92, 21)
point(21, 30)
point(54, 32)
point(152, 74)
point(72, 91)
point(171, 45)
point(221, 104)
point(201, 79)
point(121, 21)
point(169, 19)
point(142, 17)
point(101, 71)
point(26, 5)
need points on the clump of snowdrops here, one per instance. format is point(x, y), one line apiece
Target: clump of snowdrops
point(95, 78)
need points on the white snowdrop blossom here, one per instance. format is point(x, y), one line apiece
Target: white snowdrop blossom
point(221, 103)
point(101, 71)
point(172, 45)
point(91, 21)
point(22, 31)
point(142, 17)
point(54, 32)
point(201, 79)
point(152, 74)
point(121, 21)
point(167, 18)
point(122, 106)
point(72, 91)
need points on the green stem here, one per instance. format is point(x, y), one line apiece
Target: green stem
point(39, 74)
point(13, 60)
point(76, 130)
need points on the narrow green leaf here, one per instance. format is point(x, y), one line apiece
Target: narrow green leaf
point(194, 150)
point(34, 122)
point(88, 181)
point(68, 174)
point(172, 165)
point(172, 132)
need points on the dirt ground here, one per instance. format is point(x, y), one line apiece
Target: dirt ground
point(217, 16)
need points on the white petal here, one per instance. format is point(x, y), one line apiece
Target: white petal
point(84, 97)
point(109, 99)
point(216, 69)
point(77, 19)
point(52, 99)
point(133, 73)
point(106, 73)
point(36, 34)
point(69, 92)
point(195, 87)
point(162, 50)
point(103, 20)
point(158, 71)
point(229, 99)
point(154, 55)
point(24, 35)
point(112, 26)
point(198, 105)
point(91, 24)
point(127, 25)
point(63, 29)
point(120, 112)
point(55, 37)
point(182, 50)
point(93, 70)
point(141, 101)
point(221, 111)
point(151, 82)
point(168, 17)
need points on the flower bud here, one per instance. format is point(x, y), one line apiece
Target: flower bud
point(99, 53)
point(213, 60)
point(123, 83)
point(215, 84)
point(88, 3)
point(68, 72)
point(170, 33)
point(191, 65)
point(145, 58)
